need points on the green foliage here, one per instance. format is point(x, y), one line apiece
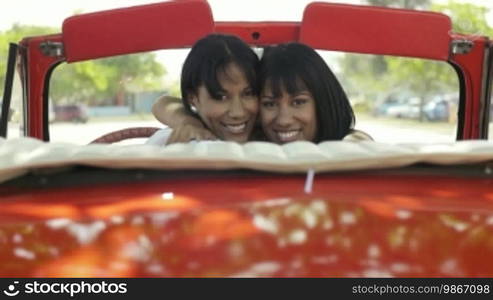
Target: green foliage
point(409, 4)
point(14, 35)
point(174, 89)
point(427, 77)
point(466, 18)
point(366, 76)
point(94, 81)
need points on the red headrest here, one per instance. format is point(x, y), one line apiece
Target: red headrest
point(173, 24)
point(376, 30)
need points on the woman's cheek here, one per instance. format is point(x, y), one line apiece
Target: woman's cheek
point(266, 118)
point(216, 109)
point(253, 107)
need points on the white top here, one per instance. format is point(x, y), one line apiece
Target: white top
point(160, 137)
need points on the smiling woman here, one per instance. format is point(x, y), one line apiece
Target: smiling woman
point(219, 87)
point(301, 97)
point(231, 113)
point(288, 117)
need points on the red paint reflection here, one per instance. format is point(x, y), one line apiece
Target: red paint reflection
point(349, 226)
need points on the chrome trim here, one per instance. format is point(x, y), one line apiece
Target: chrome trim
point(461, 46)
point(49, 48)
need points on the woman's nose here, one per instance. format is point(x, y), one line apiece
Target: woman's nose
point(285, 116)
point(236, 108)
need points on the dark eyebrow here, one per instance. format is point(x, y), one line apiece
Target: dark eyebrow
point(302, 93)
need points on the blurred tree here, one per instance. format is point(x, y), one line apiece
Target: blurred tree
point(374, 74)
point(466, 18)
point(366, 73)
point(174, 89)
point(106, 80)
point(91, 82)
point(426, 77)
point(14, 35)
point(408, 4)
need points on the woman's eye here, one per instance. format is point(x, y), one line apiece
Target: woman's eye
point(268, 104)
point(248, 93)
point(299, 102)
point(221, 97)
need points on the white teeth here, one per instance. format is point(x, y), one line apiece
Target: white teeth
point(287, 135)
point(236, 128)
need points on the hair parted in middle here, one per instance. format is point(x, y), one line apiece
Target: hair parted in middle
point(209, 57)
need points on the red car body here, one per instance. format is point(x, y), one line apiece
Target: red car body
point(351, 225)
point(417, 221)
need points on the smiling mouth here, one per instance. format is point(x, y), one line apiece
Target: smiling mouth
point(288, 136)
point(236, 128)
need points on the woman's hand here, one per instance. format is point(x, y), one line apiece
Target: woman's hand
point(190, 132)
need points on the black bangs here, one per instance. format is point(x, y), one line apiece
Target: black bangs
point(210, 77)
point(295, 67)
point(290, 82)
point(283, 72)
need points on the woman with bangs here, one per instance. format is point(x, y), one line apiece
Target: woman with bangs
point(300, 100)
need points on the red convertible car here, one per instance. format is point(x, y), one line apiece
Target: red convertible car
point(336, 209)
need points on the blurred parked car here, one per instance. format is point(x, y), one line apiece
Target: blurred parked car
point(439, 108)
point(408, 109)
point(407, 105)
point(388, 101)
point(401, 103)
point(71, 113)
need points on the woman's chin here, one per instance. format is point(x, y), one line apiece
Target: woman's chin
point(241, 139)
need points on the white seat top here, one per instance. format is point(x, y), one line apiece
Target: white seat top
point(19, 156)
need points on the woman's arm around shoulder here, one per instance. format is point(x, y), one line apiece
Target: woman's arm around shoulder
point(170, 111)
